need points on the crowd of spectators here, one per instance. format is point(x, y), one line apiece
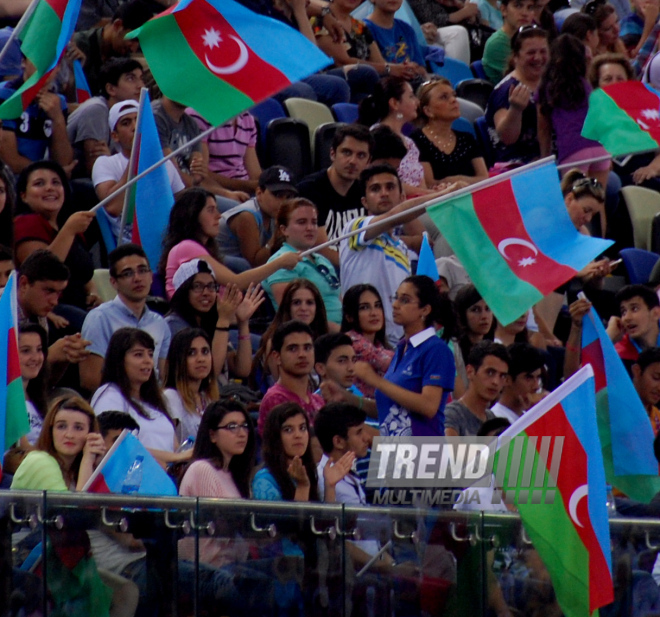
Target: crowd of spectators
point(329, 349)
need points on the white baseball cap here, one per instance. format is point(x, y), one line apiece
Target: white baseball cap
point(119, 110)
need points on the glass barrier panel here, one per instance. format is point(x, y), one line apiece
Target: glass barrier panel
point(22, 585)
point(413, 562)
point(116, 555)
point(268, 558)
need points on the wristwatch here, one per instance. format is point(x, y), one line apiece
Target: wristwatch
point(325, 10)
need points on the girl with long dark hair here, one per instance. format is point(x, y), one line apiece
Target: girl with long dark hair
point(191, 385)
point(129, 384)
point(191, 234)
point(32, 354)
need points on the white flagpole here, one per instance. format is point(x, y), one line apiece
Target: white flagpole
point(460, 192)
point(19, 27)
point(131, 163)
point(147, 171)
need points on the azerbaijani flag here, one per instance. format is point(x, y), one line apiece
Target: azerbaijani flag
point(111, 473)
point(13, 411)
point(556, 445)
point(515, 239)
point(43, 41)
point(149, 201)
point(83, 92)
point(624, 117)
point(220, 58)
point(624, 428)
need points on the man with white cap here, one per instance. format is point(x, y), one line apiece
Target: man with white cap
point(131, 276)
point(111, 172)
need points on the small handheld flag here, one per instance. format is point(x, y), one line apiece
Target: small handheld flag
point(83, 91)
point(626, 435)
point(114, 470)
point(426, 264)
point(511, 236)
point(43, 41)
point(624, 118)
point(13, 412)
point(204, 51)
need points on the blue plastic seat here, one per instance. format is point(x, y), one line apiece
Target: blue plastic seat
point(264, 112)
point(345, 112)
point(639, 264)
point(478, 70)
point(461, 124)
point(454, 70)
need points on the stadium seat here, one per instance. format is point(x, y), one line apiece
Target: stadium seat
point(287, 143)
point(469, 110)
point(310, 112)
point(104, 289)
point(323, 136)
point(264, 112)
point(345, 112)
point(655, 234)
point(475, 90)
point(454, 70)
point(461, 124)
point(643, 204)
point(639, 264)
point(483, 138)
point(478, 70)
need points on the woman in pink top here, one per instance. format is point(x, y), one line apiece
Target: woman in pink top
point(191, 234)
point(364, 321)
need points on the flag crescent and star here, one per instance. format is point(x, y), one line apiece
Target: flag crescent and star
point(212, 39)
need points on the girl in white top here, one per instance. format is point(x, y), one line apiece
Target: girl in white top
point(190, 384)
point(129, 384)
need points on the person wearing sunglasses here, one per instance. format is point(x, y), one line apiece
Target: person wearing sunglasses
point(297, 230)
point(564, 101)
point(198, 303)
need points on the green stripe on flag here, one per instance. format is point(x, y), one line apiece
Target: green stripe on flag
point(458, 223)
point(13, 106)
point(39, 37)
point(16, 419)
point(610, 125)
point(213, 98)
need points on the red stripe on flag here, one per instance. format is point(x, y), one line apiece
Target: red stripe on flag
point(635, 99)
point(27, 96)
point(82, 95)
point(99, 485)
point(13, 362)
point(593, 354)
point(555, 422)
point(497, 210)
point(58, 6)
point(224, 53)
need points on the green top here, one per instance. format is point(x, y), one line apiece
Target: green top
point(39, 471)
point(496, 54)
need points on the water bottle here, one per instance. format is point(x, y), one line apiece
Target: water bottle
point(133, 477)
point(609, 501)
point(187, 444)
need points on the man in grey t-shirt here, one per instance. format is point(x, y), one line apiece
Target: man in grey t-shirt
point(487, 368)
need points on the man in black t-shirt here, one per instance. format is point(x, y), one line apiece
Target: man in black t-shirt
point(336, 191)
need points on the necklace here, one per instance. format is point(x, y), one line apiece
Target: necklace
point(444, 144)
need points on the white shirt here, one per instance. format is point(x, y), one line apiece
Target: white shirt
point(156, 433)
point(501, 411)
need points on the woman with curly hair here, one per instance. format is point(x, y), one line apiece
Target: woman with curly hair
point(564, 101)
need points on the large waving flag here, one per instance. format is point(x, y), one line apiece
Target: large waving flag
point(149, 201)
point(43, 41)
point(571, 530)
point(111, 474)
point(515, 239)
point(220, 58)
point(624, 428)
point(13, 411)
point(624, 117)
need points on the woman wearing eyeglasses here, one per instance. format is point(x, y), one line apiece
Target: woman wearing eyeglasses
point(297, 230)
point(129, 384)
point(412, 394)
point(511, 110)
point(198, 303)
point(191, 385)
point(564, 101)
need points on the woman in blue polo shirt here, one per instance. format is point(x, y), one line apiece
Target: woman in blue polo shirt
point(411, 396)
